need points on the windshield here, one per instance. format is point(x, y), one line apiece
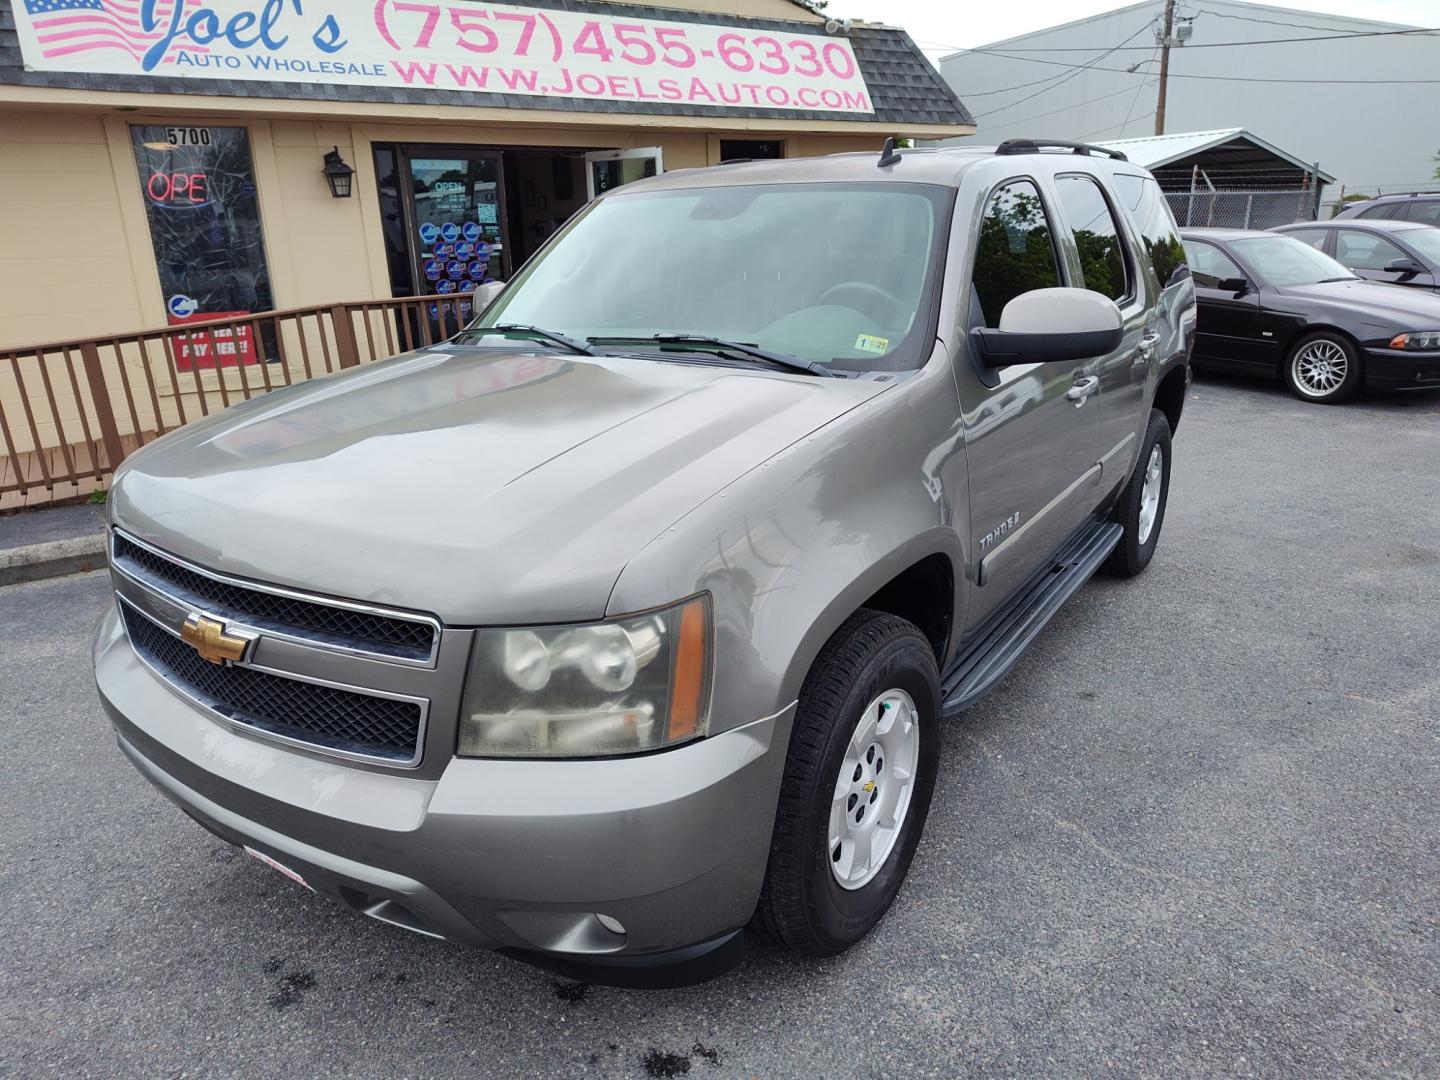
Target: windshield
point(842, 274)
point(1426, 242)
point(1283, 260)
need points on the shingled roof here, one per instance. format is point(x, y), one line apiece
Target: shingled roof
point(904, 87)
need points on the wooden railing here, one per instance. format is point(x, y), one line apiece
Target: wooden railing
point(70, 411)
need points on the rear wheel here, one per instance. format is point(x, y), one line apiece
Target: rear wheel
point(1324, 368)
point(1141, 506)
point(858, 780)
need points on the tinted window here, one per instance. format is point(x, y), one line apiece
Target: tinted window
point(1097, 236)
point(1016, 250)
point(1151, 215)
point(1209, 265)
point(1380, 210)
point(1365, 251)
point(1314, 237)
point(1426, 210)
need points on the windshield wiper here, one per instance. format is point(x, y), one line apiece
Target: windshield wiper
point(535, 333)
point(722, 346)
point(1328, 280)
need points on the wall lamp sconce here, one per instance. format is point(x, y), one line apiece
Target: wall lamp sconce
point(338, 175)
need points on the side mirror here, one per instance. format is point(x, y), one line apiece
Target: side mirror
point(486, 294)
point(1237, 285)
point(1403, 266)
point(1048, 325)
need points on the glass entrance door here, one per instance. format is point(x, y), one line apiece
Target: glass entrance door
point(456, 217)
point(606, 169)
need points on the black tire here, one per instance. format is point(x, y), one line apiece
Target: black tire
point(802, 906)
point(1307, 385)
point(1130, 555)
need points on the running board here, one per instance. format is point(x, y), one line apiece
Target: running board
point(977, 670)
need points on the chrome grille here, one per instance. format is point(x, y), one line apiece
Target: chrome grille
point(323, 716)
point(362, 631)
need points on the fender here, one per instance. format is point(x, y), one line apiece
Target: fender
point(788, 551)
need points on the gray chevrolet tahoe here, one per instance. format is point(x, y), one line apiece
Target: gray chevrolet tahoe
point(627, 619)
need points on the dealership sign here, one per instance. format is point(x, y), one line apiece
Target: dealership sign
point(460, 46)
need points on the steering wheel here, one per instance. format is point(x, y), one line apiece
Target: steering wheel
point(870, 291)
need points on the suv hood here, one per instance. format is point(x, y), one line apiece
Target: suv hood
point(484, 485)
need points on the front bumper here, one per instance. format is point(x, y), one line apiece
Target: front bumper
point(519, 856)
point(1398, 369)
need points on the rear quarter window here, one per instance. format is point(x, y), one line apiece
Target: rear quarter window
point(1150, 213)
point(1425, 211)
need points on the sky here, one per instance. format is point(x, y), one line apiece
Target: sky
point(942, 26)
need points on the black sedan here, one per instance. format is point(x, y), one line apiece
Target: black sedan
point(1395, 252)
point(1273, 304)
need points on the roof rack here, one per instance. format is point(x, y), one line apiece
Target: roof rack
point(1035, 146)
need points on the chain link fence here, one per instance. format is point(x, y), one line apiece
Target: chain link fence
point(1240, 208)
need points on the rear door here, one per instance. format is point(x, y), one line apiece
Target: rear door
point(1425, 211)
point(1102, 261)
point(1031, 449)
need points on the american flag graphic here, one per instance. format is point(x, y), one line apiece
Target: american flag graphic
point(65, 27)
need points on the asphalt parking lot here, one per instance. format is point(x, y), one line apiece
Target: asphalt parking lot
point(1195, 833)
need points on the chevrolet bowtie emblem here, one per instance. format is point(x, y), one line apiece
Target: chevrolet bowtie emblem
point(208, 638)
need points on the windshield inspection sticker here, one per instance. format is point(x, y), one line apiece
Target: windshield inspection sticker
point(871, 344)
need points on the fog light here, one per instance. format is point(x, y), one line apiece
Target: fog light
point(613, 925)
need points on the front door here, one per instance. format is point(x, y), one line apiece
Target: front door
point(1227, 325)
point(606, 169)
point(1368, 254)
point(456, 214)
point(1030, 441)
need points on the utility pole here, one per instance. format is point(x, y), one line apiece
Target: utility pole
point(1164, 65)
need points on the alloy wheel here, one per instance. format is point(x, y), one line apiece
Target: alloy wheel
point(872, 792)
point(1319, 369)
point(1150, 493)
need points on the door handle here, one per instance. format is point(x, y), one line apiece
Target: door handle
point(1145, 351)
point(1081, 389)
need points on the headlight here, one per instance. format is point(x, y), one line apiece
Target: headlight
point(1416, 339)
point(616, 687)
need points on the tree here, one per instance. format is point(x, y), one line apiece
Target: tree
point(1354, 196)
point(1437, 170)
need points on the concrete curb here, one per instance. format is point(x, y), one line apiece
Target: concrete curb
point(53, 558)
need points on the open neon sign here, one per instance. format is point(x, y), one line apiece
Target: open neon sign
point(174, 190)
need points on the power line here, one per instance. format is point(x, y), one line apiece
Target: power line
point(1076, 105)
point(1136, 99)
point(1102, 131)
point(984, 50)
point(1060, 82)
point(1227, 78)
point(1267, 22)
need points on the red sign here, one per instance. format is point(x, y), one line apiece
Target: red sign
point(220, 346)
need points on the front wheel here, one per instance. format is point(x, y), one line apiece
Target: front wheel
point(1324, 368)
point(858, 779)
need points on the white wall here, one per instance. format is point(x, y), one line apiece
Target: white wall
point(1370, 137)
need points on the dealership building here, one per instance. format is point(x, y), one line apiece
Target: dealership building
point(171, 160)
